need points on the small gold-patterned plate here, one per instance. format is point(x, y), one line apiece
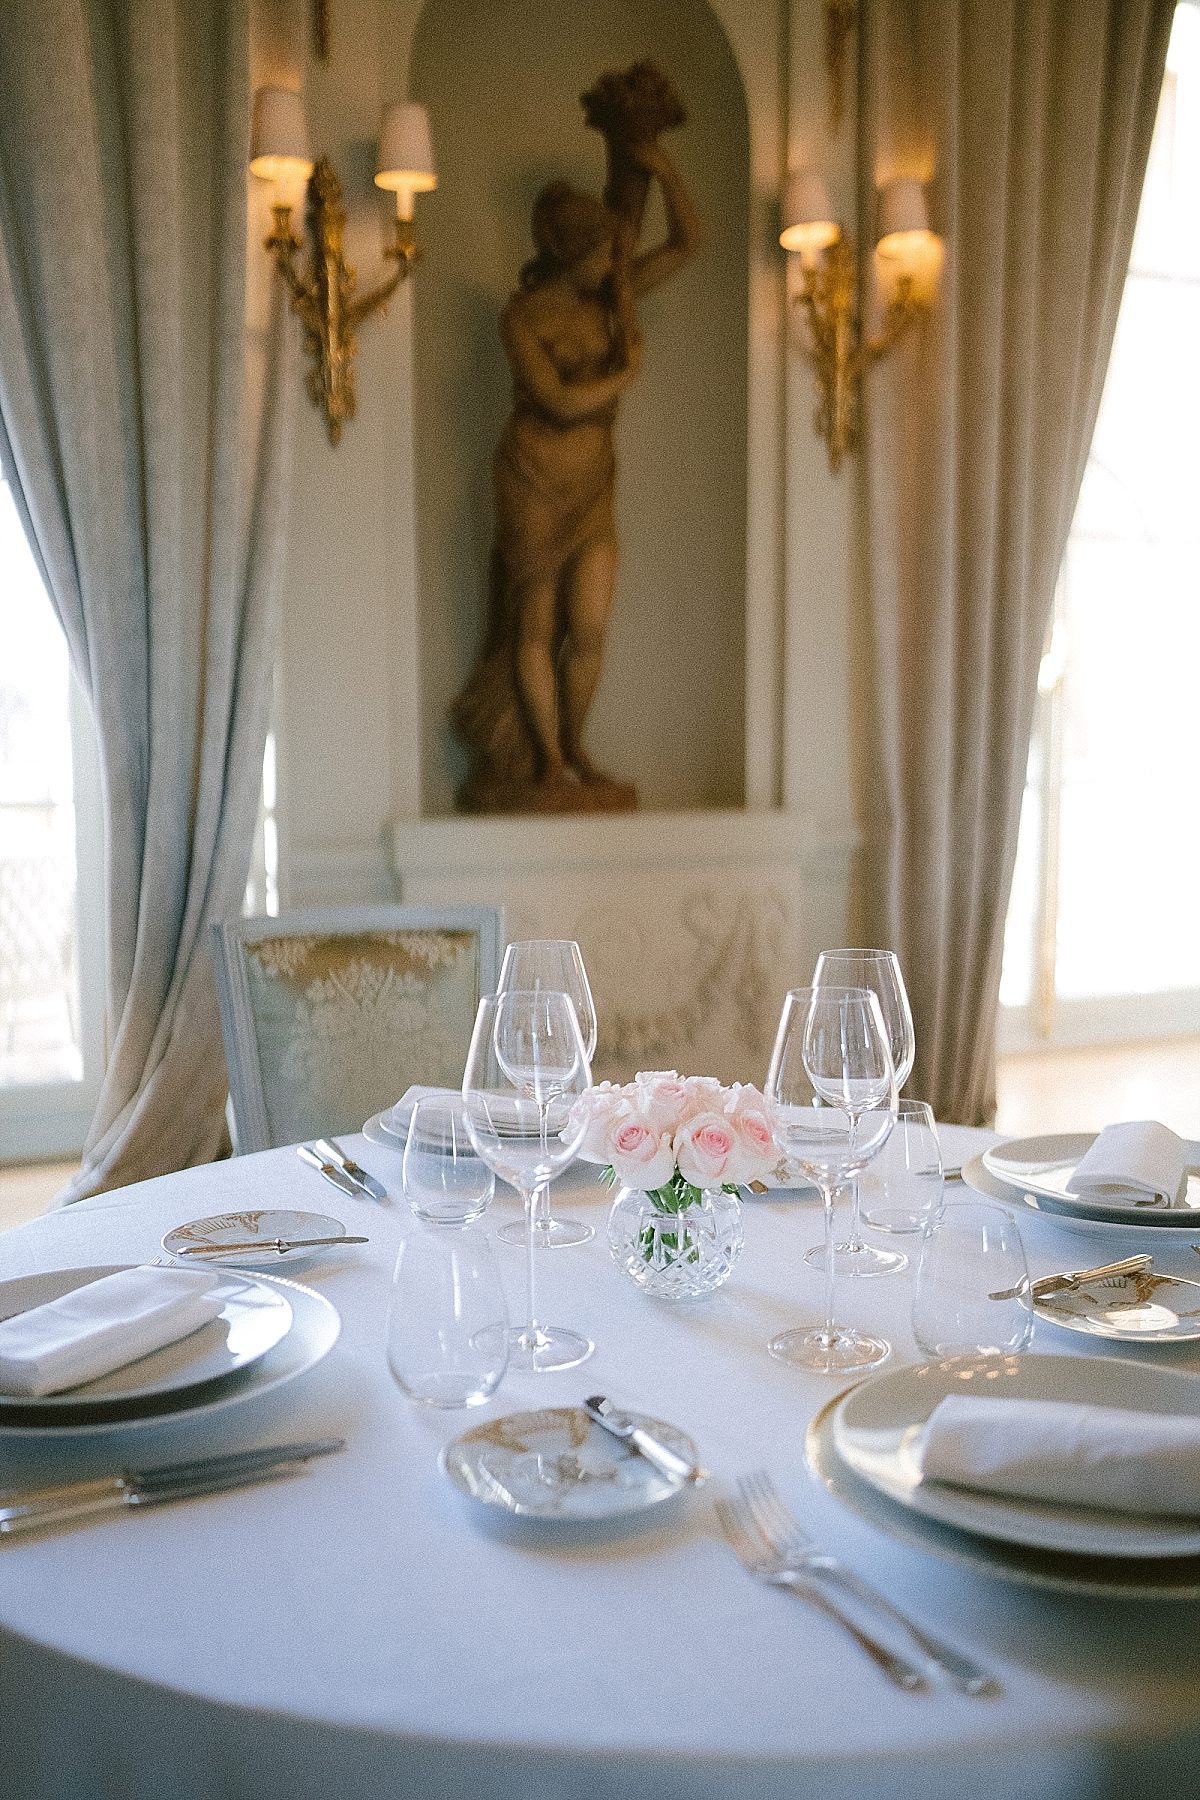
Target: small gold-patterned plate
point(243, 1228)
point(555, 1463)
point(1144, 1308)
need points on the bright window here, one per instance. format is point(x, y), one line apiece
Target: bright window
point(1108, 867)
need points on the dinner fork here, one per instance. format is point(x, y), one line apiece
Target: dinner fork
point(755, 1555)
point(792, 1548)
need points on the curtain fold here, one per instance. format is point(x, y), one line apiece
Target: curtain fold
point(145, 432)
point(1033, 124)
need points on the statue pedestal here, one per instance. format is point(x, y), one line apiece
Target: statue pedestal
point(564, 794)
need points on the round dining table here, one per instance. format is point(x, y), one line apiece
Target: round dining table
point(364, 1629)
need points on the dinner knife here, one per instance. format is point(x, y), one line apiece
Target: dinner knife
point(668, 1462)
point(355, 1171)
point(330, 1171)
point(1050, 1284)
point(280, 1244)
point(33, 1509)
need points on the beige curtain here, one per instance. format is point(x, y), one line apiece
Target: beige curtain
point(1033, 120)
point(147, 450)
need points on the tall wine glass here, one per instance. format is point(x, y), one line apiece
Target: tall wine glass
point(833, 1085)
point(525, 1069)
point(554, 964)
point(879, 972)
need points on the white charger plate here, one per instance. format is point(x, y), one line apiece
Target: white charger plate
point(1045, 1166)
point(557, 1463)
point(252, 1320)
point(976, 1177)
point(1175, 1578)
point(316, 1326)
point(240, 1227)
point(877, 1428)
point(376, 1132)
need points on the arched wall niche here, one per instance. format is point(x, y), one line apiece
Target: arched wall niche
point(501, 79)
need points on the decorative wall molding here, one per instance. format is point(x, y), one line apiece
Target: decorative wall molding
point(693, 925)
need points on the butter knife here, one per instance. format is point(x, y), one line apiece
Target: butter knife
point(358, 1175)
point(668, 1462)
point(35, 1509)
point(1050, 1284)
point(330, 1171)
point(282, 1245)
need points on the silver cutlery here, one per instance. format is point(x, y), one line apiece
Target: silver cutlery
point(952, 1174)
point(279, 1244)
point(795, 1552)
point(332, 1173)
point(756, 1555)
point(334, 1153)
point(35, 1509)
point(667, 1461)
point(1053, 1284)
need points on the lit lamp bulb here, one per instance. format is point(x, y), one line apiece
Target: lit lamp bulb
point(279, 150)
point(905, 240)
point(807, 216)
point(405, 163)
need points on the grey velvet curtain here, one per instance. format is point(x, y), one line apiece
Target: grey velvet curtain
point(1033, 120)
point(146, 447)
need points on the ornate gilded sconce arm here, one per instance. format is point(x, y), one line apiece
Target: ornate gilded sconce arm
point(828, 298)
point(323, 294)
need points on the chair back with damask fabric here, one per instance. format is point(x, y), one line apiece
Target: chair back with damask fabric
point(329, 1016)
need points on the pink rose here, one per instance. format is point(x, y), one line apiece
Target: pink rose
point(706, 1148)
point(757, 1150)
point(661, 1099)
point(599, 1107)
point(704, 1095)
point(641, 1157)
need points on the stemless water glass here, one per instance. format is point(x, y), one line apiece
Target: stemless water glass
point(834, 1089)
point(445, 1181)
point(555, 964)
point(878, 971)
point(906, 1182)
point(525, 1069)
point(972, 1280)
point(448, 1324)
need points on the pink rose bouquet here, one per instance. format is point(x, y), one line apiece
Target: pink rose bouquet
point(674, 1136)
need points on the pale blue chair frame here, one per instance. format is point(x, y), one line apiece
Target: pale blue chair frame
point(229, 936)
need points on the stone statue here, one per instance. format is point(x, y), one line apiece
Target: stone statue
point(570, 334)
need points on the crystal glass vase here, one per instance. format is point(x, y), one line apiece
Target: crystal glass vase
point(676, 1242)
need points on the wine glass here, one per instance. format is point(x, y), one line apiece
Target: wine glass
point(878, 971)
point(448, 1323)
point(833, 1085)
point(555, 964)
point(971, 1287)
point(908, 1180)
point(525, 1069)
point(445, 1182)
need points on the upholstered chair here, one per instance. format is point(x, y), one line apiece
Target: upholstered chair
point(329, 1016)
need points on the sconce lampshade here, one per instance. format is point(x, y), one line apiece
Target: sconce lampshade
point(903, 219)
point(406, 150)
point(279, 148)
point(807, 215)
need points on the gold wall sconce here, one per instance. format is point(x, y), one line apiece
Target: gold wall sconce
point(324, 295)
point(910, 254)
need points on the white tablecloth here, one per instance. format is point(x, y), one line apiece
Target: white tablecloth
point(364, 1630)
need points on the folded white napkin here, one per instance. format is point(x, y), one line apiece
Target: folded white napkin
point(397, 1120)
point(1142, 1157)
point(1078, 1455)
point(102, 1326)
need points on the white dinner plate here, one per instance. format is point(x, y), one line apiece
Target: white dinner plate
point(1175, 1578)
point(376, 1131)
point(558, 1464)
point(877, 1431)
point(1045, 1166)
point(242, 1227)
point(314, 1332)
point(976, 1177)
point(1146, 1307)
point(252, 1320)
